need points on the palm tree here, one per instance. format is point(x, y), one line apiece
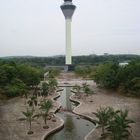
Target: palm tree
point(103, 116)
point(35, 91)
point(32, 101)
point(45, 107)
point(52, 82)
point(25, 96)
point(77, 89)
point(45, 89)
point(29, 116)
point(86, 88)
point(119, 127)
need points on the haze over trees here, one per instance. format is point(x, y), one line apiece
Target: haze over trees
point(77, 60)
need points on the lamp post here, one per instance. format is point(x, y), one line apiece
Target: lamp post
point(68, 10)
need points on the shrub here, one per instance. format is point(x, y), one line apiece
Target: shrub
point(119, 127)
point(16, 88)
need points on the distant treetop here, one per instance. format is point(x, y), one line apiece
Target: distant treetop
point(67, 0)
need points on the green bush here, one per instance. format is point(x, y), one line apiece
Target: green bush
point(15, 77)
point(106, 75)
point(16, 88)
point(83, 71)
point(125, 78)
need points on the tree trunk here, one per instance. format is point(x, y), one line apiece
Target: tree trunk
point(45, 120)
point(30, 124)
point(103, 131)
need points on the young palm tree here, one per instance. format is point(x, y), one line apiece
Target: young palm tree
point(29, 116)
point(86, 89)
point(77, 89)
point(45, 89)
point(32, 101)
point(103, 116)
point(35, 92)
point(45, 107)
point(52, 82)
point(25, 96)
point(119, 127)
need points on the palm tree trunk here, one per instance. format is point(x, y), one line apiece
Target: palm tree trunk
point(103, 131)
point(30, 123)
point(45, 120)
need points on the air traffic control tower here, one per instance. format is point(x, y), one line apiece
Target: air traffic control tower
point(68, 10)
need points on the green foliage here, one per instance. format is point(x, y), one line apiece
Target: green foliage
point(77, 89)
point(45, 89)
point(49, 86)
point(45, 107)
point(29, 75)
point(135, 88)
point(52, 82)
point(7, 73)
point(86, 89)
point(32, 101)
point(104, 115)
point(125, 78)
point(29, 116)
point(53, 72)
point(77, 60)
point(106, 75)
point(82, 89)
point(119, 127)
point(129, 78)
point(83, 71)
point(114, 124)
point(15, 88)
point(14, 78)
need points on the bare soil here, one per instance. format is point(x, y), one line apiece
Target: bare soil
point(103, 98)
point(68, 76)
point(11, 126)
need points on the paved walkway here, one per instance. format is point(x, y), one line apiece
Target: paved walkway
point(70, 83)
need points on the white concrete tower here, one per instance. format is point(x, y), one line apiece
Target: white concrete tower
point(68, 9)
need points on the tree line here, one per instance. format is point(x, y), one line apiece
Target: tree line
point(77, 60)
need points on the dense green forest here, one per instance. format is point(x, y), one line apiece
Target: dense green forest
point(60, 60)
point(16, 78)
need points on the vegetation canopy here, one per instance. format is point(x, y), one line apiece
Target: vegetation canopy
point(15, 78)
point(124, 78)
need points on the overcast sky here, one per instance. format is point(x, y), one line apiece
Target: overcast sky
point(37, 27)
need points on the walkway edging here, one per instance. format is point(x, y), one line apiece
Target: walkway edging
point(62, 121)
point(85, 116)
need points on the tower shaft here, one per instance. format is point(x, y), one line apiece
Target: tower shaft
point(68, 42)
point(68, 10)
